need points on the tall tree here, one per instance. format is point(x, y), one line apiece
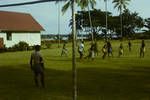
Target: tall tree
point(147, 23)
point(82, 4)
point(74, 70)
point(106, 19)
point(121, 5)
point(132, 23)
point(71, 3)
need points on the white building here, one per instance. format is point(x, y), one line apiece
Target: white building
point(16, 27)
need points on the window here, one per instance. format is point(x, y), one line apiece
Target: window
point(9, 36)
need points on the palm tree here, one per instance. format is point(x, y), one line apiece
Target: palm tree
point(106, 19)
point(82, 4)
point(74, 70)
point(58, 25)
point(121, 5)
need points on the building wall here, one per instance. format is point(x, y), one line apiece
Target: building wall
point(31, 38)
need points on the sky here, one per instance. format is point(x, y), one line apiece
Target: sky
point(47, 13)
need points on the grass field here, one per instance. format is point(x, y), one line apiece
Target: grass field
point(124, 78)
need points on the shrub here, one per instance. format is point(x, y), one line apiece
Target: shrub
point(21, 46)
point(46, 44)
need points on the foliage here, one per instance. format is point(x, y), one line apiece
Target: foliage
point(21, 46)
point(46, 44)
point(145, 35)
point(131, 22)
point(147, 23)
point(120, 4)
point(80, 3)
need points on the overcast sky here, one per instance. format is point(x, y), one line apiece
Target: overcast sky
point(47, 13)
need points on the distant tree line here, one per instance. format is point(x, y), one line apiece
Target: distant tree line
point(131, 23)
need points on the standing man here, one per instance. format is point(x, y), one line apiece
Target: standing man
point(64, 50)
point(81, 49)
point(37, 66)
point(121, 51)
point(129, 45)
point(142, 49)
point(109, 49)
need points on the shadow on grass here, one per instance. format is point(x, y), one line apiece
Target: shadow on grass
point(16, 83)
point(114, 84)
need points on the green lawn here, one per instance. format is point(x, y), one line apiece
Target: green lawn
point(124, 78)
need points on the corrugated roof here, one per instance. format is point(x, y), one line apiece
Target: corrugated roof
point(14, 21)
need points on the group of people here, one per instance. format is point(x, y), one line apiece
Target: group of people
point(37, 63)
point(92, 51)
point(107, 49)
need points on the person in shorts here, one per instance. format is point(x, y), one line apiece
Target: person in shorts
point(37, 66)
point(81, 49)
point(142, 49)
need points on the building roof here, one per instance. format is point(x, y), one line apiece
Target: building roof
point(14, 21)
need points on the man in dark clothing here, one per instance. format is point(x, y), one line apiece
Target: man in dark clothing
point(64, 50)
point(109, 49)
point(104, 51)
point(121, 51)
point(142, 49)
point(37, 66)
point(129, 45)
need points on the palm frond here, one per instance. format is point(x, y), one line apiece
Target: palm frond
point(65, 7)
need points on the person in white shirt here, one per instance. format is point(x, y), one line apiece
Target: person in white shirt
point(81, 49)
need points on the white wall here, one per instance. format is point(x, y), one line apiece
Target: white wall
point(31, 38)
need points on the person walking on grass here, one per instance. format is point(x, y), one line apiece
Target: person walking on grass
point(129, 45)
point(37, 66)
point(64, 50)
point(142, 49)
point(104, 50)
point(95, 48)
point(91, 53)
point(109, 49)
point(121, 51)
point(81, 49)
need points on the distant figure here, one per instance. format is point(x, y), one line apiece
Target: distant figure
point(142, 49)
point(109, 49)
point(129, 45)
point(121, 51)
point(95, 48)
point(64, 50)
point(81, 49)
point(37, 66)
point(91, 52)
point(104, 50)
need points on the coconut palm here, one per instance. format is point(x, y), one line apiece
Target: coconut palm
point(106, 19)
point(82, 4)
point(121, 5)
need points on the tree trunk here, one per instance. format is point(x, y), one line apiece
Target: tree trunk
point(121, 22)
point(58, 25)
point(106, 20)
point(74, 70)
point(91, 27)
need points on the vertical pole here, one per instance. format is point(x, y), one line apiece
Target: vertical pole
point(58, 25)
point(74, 70)
point(90, 23)
point(106, 19)
point(121, 22)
